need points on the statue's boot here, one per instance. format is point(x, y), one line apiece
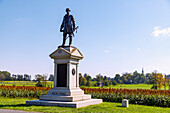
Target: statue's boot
point(70, 41)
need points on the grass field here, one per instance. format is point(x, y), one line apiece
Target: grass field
point(49, 84)
point(129, 86)
point(105, 107)
point(23, 83)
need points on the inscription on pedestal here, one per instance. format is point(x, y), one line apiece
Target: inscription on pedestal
point(58, 93)
point(61, 75)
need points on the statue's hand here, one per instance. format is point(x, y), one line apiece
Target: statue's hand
point(61, 30)
point(74, 29)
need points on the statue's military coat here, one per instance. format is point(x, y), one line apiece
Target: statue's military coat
point(68, 24)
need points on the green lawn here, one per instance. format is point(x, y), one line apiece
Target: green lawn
point(129, 86)
point(105, 107)
point(50, 83)
point(23, 83)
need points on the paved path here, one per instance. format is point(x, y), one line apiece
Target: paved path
point(13, 111)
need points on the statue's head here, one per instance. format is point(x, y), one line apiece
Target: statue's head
point(68, 10)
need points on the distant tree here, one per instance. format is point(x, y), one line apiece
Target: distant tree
point(117, 78)
point(83, 81)
point(85, 75)
point(88, 83)
point(123, 79)
point(2, 77)
point(20, 77)
point(80, 79)
point(160, 80)
point(99, 78)
point(39, 78)
point(106, 83)
point(45, 76)
point(114, 82)
point(88, 77)
point(51, 78)
point(27, 77)
point(149, 78)
point(14, 77)
point(105, 78)
point(7, 75)
point(165, 82)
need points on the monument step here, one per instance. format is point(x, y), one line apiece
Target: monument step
point(67, 92)
point(77, 104)
point(65, 98)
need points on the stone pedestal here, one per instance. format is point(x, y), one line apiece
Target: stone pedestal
point(66, 91)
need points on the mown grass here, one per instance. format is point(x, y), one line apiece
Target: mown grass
point(24, 83)
point(51, 83)
point(105, 107)
point(127, 86)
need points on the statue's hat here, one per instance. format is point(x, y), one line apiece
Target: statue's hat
point(68, 9)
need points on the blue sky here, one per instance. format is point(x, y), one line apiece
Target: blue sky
point(115, 36)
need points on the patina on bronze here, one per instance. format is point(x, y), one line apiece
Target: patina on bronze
point(68, 27)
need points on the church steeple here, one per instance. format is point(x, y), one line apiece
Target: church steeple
point(142, 71)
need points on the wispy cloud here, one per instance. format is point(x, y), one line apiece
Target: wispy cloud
point(138, 49)
point(19, 19)
point(106, 51)
point(158, 31)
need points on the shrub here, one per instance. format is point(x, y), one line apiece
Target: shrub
point(135, 96)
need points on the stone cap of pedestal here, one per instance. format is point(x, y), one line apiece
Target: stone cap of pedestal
point(66, 52)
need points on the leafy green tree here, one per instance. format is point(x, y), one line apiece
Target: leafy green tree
point(80, 78)
point(88, 78)
point(117, 78)
point(123, 79)
point(27, 77)
point(45, 76)
point(106, 83)
point(20, 77)
point(99, 78)
point(51, 78)
point(7, 75)
point(39, 78)
point(83, 81)
point(114, 82)
point(105, 78)
point(2, 77)
point(14, 77)
point(88, 83)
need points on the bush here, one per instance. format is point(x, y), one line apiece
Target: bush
point(39, 84)
point(88, 83)
point(154, 87)
point(135, 96)
point(114, 83)
point(106, 83)
point(23, 91)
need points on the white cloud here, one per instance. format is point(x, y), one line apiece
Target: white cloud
point(138, 49)
point(19, 19)
point(106, 51)
point(158, 31)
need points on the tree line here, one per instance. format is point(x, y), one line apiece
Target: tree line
point(157, 79)
point(5, 75)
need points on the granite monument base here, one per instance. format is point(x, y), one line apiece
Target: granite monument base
point(77, 104)
point(65, 98)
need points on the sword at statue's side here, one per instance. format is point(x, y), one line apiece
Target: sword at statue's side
point(73, 31)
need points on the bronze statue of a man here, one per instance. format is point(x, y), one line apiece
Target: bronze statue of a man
point(67, 27)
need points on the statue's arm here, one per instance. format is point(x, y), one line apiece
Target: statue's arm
point(74, 24)
point(62, 25)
